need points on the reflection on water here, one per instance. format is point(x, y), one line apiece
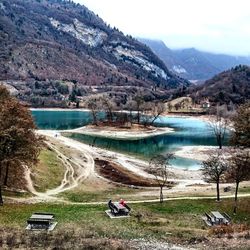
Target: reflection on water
point(59, 120)
point(188, 132)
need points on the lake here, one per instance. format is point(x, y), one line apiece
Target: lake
point(188, 132)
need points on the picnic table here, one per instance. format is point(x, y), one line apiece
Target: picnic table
point(218, 217)
point(37, 216)
point(120, 206)
point(38, 221)
point(118, 209)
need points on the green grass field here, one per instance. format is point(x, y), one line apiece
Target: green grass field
point(80, 195)
point(180, 219)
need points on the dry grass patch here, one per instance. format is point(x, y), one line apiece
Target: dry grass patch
point(49, 171)
point(118, 174)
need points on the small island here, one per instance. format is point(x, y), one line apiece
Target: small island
point(134, 132)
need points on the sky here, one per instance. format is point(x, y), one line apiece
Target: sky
point(220, 26)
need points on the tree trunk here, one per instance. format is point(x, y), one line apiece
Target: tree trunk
point(0, 172)
point(131, 117)
point(236, 197)
point(219, 140)
point(94, 118)
point(138, 117)
point(6, 174)
point(110, 115)
point(1, 198)
point(218, 190)
point(161, 194)
point(152, 122)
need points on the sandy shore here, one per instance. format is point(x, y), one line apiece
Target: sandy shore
point(181, 176)
point(199, 153)
point(120, 133)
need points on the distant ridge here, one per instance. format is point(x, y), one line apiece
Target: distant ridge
point(193, 64)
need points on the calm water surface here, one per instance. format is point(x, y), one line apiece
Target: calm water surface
point(188, 132)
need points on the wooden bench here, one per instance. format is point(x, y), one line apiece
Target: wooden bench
point(209, 220)
point(39, 223)
point(227, 217)
point(209, 217)
point(114, 210)
point(49, 214)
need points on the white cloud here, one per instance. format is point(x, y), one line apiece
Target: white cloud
point(215, 25)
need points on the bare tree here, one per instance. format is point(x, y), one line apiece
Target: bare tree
point(219, 125)
point(158, 166)
point(151, 111)
point(239, 171)
point(108, 106)
point(241, 124)
point(139, 101)
point(130, 106)
point(92, 103)
point(214, 169)
point(146, 111)
point(170, 106)
point(157, 110)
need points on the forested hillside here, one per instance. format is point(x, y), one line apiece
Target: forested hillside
point(50, 49)
point(232, 86)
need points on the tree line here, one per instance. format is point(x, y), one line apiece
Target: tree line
point(236, 167)
point(232, 165)
point(138, 111)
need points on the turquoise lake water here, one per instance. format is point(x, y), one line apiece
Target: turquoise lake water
point(188, 132)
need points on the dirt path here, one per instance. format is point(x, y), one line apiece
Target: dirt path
point(71, 178)
point(62, 201)
point(129, 162)
point(86, 167)
point(79, 168)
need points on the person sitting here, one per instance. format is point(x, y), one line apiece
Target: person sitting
point(122, 202)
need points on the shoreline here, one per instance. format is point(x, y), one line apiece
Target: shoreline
point(199, 153)
point(119, 133)
point(131, 163)
point(180, 115)
point(59, 109)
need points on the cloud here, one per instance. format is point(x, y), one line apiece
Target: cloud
point(196, 22)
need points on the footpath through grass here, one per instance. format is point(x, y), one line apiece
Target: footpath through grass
point(172, 219)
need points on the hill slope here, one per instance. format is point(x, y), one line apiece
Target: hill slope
point(193, 64)
point(49, 47)
point(232, 86)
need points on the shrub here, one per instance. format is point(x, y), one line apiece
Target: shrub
point(221, 230)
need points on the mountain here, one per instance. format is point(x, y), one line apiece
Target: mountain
point(193, 64)
point(49, 48)
point(231, 86)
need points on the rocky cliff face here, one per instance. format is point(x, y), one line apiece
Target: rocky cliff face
point(49, 43)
